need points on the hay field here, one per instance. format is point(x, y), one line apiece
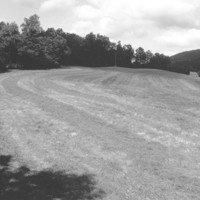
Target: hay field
point(136, 130)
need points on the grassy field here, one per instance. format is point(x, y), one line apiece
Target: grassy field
point(136, 132)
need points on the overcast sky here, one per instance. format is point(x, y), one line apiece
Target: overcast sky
point(165, 26)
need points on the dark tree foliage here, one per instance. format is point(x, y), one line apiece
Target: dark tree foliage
point(128, 54)
point(160, 61)
point(181, 67)
point(96, 50)
point(35, 48)
point(9, 38)
point(31, 25)
point(40, 49)
point(75, 44)
point(2, 61)
point(140, 56)
point(149, 60)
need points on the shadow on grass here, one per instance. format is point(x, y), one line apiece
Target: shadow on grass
point(23, 184)
point(4, 71)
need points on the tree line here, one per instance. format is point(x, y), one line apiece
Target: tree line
point(32, 47)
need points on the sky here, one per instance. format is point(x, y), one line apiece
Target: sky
point(164, 26)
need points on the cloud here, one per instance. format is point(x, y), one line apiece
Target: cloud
point(2, 20)
point(157, 25)
point(49, 5)
point(87, 12)
point(178, 38)
point(84, 26)
point(94, 2)
point(176, 14)
point(26, 3)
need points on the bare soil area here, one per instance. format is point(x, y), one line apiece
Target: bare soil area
point(136, 132)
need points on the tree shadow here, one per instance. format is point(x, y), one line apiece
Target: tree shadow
point(5, 71)
point(24, 184)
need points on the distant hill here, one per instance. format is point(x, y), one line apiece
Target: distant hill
point(186, 55)
point(188, 60)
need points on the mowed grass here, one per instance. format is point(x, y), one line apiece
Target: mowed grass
point(135, 130)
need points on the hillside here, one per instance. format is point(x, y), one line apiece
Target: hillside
point(187, 59)
point(186, 55)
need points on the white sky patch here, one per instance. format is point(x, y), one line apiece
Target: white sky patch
point(105, 24)
point(159, 7)
point(83, 26)
point(87, 12)
point(94, 2)
point(24, 1)
point(48, 5)
point(180, 38)
point(27, 3)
